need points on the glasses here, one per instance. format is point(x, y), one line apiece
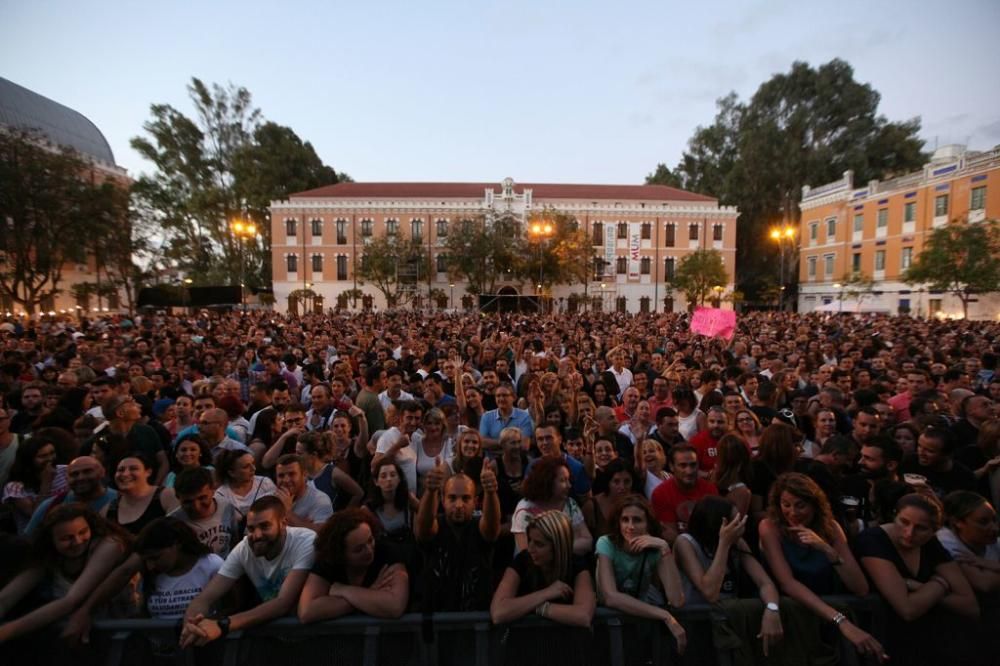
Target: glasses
point(744, 419)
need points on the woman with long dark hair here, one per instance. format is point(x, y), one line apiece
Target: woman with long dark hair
point(34, 477)
point(239, 483)
point(733, 471)
point(139, 502)
point(191, 452)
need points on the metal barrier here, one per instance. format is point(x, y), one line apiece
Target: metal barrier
point(380, 639)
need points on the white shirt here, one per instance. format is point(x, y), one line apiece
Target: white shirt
point(623, 377)
point(386, 401)
point(267, 575)
point(406, 457)
point(173, 594)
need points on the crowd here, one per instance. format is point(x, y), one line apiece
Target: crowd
point(224, 470)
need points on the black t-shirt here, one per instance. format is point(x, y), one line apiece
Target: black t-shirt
point(959, 477)
point(875, 542)
point(531, 579)
point(509, 487)
point(458, 568)
point(385, 555)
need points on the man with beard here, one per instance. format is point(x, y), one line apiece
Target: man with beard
point(86, 484)
point(706, 442)
point(458, 550)
point(674, 499)
point(275, 558)
point(935, 462)
point(879, 463)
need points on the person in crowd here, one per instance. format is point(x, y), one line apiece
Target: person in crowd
point(906, 435)
point(749, 428)
point(983, 458)
point(139, 502)
point(315, 450)
point(652, 466)
point(636, 571)
point(191, 452)
point(548, 439)
point(808, 555)
point(733, 473)
point(35, 477)
point(674, 499)
point(713, 557)
point(970, 537)
point(72, 552)
point(305, 505)
point(353, 572)
point(214, 520)
point(456, 547)
point(691, 420)
point(504, 416)
point(640, 425)
point(706, 442)
point(929, 599)
point(124, 416)
point(85, 476)
point(512, 468)
point(275, 557)
point(547, 488)
point(212, 426)
point(468, 453)
point(239, 484)
point(429, 443)
point(9, 442)
point(621, 481)
point(547, 578)
point(391, 502)
point(395, 443)
point(935, 465)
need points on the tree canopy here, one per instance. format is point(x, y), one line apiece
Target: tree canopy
point(699, 273)
point(396, 266)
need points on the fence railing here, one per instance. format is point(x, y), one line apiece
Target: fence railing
point(419, 640)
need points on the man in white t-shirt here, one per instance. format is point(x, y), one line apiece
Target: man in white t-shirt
point(305, 506)
point(394, 443)
point(275, 558)
point(214, 520)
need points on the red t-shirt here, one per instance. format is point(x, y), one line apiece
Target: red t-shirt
point(673, 504)
point(708, 450)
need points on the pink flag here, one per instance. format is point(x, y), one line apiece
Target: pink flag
point(714, 322)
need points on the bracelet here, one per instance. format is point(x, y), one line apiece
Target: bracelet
point(838, 619)
point(543, 610)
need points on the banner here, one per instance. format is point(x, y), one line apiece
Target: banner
point(634, 245)
point(610, 232)
point(714, 323)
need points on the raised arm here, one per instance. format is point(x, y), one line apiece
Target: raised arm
point(270, 457)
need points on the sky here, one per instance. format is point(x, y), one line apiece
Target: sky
point(577, 91)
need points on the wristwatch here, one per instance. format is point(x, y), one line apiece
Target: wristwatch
point(771, 606)
point(223, 623)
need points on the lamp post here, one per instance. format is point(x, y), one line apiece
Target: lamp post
point(452, 285)
point(541, 231)
point(243, 232)
point(718, 289)
point(780, 235)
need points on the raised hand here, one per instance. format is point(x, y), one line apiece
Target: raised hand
point(732, 529)
point(435, 477)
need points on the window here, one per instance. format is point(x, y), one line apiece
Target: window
point(622, 230)
point(647, 231)
point(644, 304)
point(906, 258)
point(442, 228)
point(828, 265)
point(910, 211)
point(978, 201)
point(811, 266)
point(391, 227)
point(417, 229)
point(597, 232)
point(813, 231)
point(692, 232)
point(366, 228)
point(670, 235)
point(940, 205)
point(880, 260)
point(856, 262)
point(831, 228)
point(292, 263)
point(621, 266)
point(364, 262)
point(289, 228)
point(668, 268)
point(859, 222)
point(442, 263)
point(717, 232)
point(341, 232)
point(317, 263)
point(883, 218)
point(466, 227)
point(598, 268)
point(317, 228)
point(644, 265)
point(341, 267)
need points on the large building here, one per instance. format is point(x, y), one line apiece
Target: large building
point(639, 233)
point(879, 229)
point(62, 127)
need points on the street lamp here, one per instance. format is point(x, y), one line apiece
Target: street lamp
point(780, 235)
point(452, 285)
point(243, 231)
point(718, 289)
point(541, 231)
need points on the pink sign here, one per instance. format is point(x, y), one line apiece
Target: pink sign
point(714, 322)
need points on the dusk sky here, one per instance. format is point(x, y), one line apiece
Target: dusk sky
point(581, 91)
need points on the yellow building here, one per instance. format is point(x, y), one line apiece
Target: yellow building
point(639, 235)
point(879, 230)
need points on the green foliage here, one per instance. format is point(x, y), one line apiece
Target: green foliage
point(481, 253)
point(563, 258)
point(225, 163)
point(663, 176)
point(698, 273)
point(856, 286)
point(396, 266)
point(960, 258)
point(804, 127)
point(52, 207)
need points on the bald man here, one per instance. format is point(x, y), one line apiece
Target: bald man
point(86, 485)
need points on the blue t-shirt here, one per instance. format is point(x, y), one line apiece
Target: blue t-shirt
point(39, 515)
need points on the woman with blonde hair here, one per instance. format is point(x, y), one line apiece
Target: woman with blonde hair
point(747, 425)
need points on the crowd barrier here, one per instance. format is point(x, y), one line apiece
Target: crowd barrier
point(417, 640)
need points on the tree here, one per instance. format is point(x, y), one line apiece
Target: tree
point(48, 209)
point(961, 259)
point(804, 127)
point(699, 273)
point(481, 253)
point(395, 265)
point(663, 176)
point(565, 257)
point(856, 286)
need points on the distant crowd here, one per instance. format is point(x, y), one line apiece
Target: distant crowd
point(223, 471)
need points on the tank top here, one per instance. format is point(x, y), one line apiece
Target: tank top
point(324, 482)
point(153, 511)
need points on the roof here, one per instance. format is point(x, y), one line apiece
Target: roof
point(24, 109)
point(476, 190)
